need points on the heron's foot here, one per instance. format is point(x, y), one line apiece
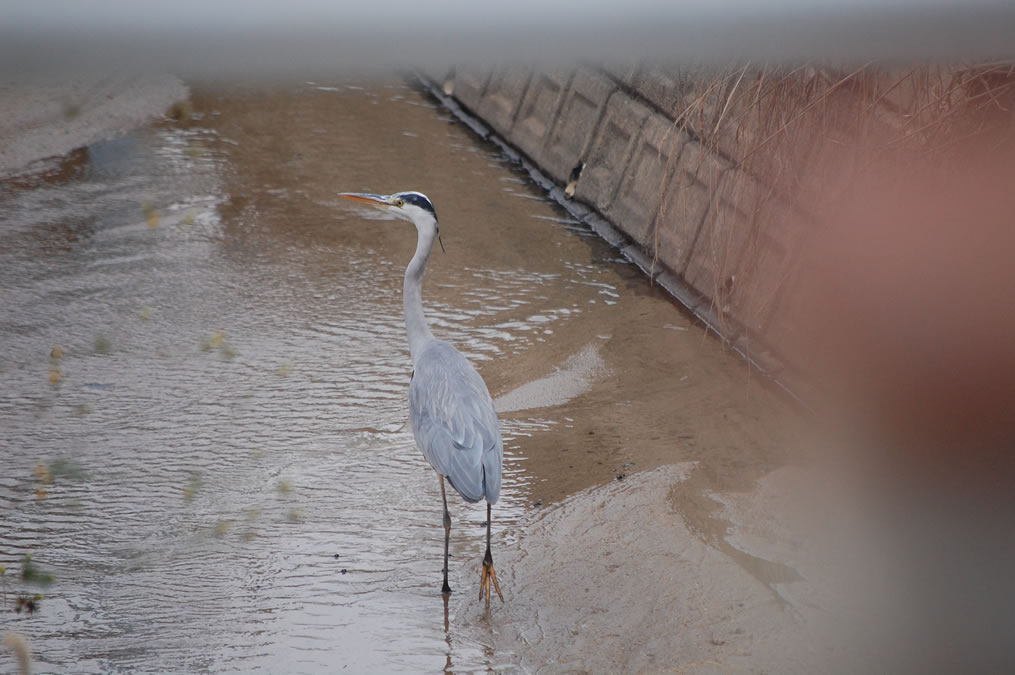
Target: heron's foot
point(489, 579)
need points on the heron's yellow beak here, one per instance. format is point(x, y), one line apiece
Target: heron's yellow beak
point(366, 198)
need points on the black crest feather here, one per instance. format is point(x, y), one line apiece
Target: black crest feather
point(418, 199)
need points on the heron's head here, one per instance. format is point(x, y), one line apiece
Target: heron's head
point(412, 206)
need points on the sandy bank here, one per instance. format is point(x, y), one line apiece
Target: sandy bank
point(613, 580)
point(49, 120)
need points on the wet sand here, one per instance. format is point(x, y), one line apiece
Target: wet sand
point(613, 580)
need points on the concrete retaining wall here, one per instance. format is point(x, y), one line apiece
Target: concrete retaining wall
point(714, 181)
point(691, 215)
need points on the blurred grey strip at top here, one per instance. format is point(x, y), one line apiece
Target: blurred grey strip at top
point(303, 38)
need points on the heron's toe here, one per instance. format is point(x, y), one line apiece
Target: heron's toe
point(488, 583)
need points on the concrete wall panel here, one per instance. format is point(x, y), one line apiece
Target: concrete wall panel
point(719, 248)
point(644, 181)
point(684, 206)
point(664, 88)
point(579, 114)
point(503, 96)
point(538, 110)
point(469, 86)
point(622, 72)
point(776, 233)
point(610, 152)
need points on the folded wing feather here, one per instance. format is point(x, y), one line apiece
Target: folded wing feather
point(454, 422)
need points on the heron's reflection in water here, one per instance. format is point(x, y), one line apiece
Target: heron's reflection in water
point(448, 666)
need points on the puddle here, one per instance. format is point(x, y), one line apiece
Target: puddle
point(231, 388)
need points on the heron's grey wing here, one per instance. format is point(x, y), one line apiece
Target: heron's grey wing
point(454, 422)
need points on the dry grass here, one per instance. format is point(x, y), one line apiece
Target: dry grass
point(776, 148)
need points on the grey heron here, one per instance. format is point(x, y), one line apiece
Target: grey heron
point(450, 409)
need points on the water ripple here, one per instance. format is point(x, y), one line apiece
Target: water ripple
point(216, 470)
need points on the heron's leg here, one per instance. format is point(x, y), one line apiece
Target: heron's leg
point(447, 536)
point(489, 575)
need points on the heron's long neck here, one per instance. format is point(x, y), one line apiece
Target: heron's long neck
point(412, 294)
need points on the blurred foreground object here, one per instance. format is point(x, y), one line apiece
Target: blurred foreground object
point(17, 643)
point(902, 319)
point(306, 38)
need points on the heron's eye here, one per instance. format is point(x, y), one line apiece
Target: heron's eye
point(399, 203)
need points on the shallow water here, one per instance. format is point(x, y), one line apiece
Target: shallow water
point(216, 469)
